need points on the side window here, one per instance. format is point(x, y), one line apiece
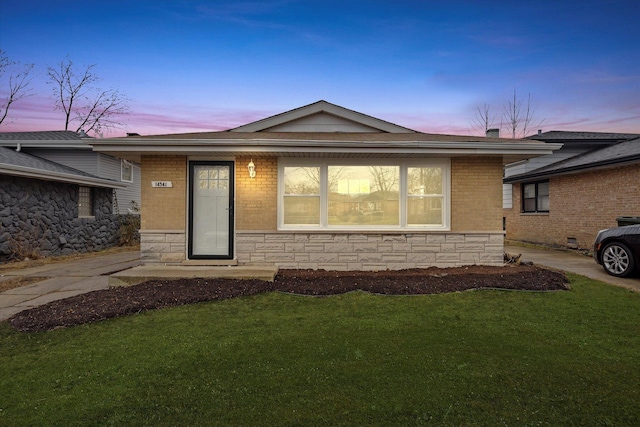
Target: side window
point(126, 171)
point(535, 197)
point(85, 202)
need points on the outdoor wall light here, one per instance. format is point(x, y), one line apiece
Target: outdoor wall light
point(252, 169)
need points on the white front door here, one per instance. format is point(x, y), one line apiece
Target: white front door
point(211, 210)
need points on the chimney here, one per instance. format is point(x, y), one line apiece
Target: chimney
point(493, 133)
point(539, 132)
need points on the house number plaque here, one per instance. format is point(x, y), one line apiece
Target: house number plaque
point(161, 184)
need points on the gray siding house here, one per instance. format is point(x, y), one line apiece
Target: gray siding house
point(73, 150)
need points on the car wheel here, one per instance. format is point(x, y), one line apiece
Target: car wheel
point(617, 260)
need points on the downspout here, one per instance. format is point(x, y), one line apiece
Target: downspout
point(18, 147)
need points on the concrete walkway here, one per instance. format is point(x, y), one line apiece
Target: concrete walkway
point(70, 278)
point(62, 280)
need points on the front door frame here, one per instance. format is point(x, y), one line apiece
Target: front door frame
point(231, 165)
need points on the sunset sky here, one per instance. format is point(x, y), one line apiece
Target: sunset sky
point(196, 65)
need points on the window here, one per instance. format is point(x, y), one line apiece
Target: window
point(363, 194)
point(535, 197)
point(302, 196)
point(85, 202)
point(126, 171)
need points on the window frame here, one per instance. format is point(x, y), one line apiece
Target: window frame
point(82, 212)
point(402, 164)
point(125, 164)
point(536, 197)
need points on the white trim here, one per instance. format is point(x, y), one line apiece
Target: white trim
point(403, 165)
point(125, 163)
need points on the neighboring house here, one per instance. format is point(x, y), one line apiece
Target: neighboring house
point(325, 187)
point(573, 144)
point(567, 199)
point(50, 209)
point(72, 149)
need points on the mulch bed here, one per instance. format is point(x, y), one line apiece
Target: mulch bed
point(121, 301)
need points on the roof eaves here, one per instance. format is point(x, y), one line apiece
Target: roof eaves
point(548, 173)
point(27, 172)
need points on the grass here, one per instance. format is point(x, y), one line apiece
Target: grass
point(472, 358)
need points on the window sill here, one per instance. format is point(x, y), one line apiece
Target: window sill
point(86, 217)
point(534, 213)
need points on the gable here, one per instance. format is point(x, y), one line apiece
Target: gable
point(321, 122)
point(322, 116)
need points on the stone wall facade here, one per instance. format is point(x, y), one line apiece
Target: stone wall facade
point(163, 246)
point(368, 251)
point(40, 218)
point(579, 206)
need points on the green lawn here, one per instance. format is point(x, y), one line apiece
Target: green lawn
point(473, 358)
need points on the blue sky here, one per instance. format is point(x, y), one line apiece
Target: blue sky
point(195, 65)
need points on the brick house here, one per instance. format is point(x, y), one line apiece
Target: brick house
point(322, 186)
point(565, 203)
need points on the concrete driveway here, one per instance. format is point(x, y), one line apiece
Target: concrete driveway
point(573, 263)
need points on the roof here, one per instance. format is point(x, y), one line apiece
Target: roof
point(46, 139)
point(318, 108)
point(48, 135)
point(626, 152)
point(26, 165)
point(378, 139)
point(568, 136)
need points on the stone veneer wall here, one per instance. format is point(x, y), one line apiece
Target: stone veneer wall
point(35, 215)
point(368, 251)
point(163, 246)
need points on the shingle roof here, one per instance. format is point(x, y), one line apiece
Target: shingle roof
point(12, 157)
point(623, 152)
point(49, 135)
point(320, 136)
point(560, 135)
point(16, 163)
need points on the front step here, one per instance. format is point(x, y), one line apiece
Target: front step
point(148, 272)
point(210, 262)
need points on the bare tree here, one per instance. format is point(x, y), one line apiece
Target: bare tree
point(88, 107)
point(519, 117)
point(17, 85)
point(483, 120)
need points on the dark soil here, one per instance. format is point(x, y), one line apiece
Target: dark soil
point(121, 301)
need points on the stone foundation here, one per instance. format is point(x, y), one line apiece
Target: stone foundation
point(369, 251)
point(163, 246)
point(339, 250)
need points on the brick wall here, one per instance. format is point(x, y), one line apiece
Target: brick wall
point(164, 208)
point(579, 206)
point(257, 198)
point(476, 222)
point(476, 194)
